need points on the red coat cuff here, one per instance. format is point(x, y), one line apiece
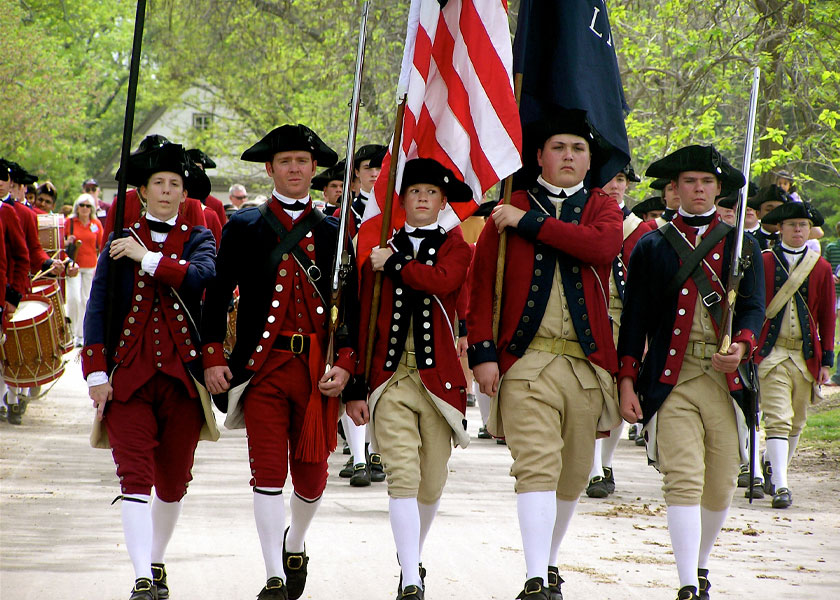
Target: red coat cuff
point(172, 271)
point(628, 366)
point(213, 355)
point(748, 337)
point(93, 359)
point(346, 359)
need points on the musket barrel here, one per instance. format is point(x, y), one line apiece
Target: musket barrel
point(748, 147)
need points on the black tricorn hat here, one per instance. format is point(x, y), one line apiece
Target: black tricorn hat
point(334, 173)
point(20, 175)
point(5, 169)
point(372, 152)
point(151, 141)
point(647, 205)
point(485, 209)
point(729, 198)
point(630, 173)
point(794, 210)
point(287, 138)
point(430, 171)
point(198, 156)
point(659, 184)
point(565, 120)
point(166, 157)
point(769, 193)
point(697, 158)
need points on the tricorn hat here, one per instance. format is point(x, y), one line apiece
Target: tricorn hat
point(794, 210)
point(630, 173)
point(565, 120)
point(769, 193)
point(697, 158)
point(334, 173)
point(372, 152)
point(430, 171)
point(288, 138)
point(647, 205)
point(197, 156)
point(166, 157)
point(659, 184)
point(21, 175)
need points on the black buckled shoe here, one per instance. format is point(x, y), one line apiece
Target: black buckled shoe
point(483, 434)
point(294, 565)
point(782, 498)
point(534, 590)
point(554, 583)
point(767, 471)
point(422, 578)
point(597, 488)
point(346, 449)
point(159, 579)
point(143, 589)
point(705, 586)
point(346, 471)
point(15, 413)
point(744, 476)
point(757, 490)
point(274, 589)
point(361, 475)
point(411, 592)
point(377, 470)
point(609, 480)
point(688, 592)
point(632, 432)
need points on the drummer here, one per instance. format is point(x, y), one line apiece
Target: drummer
point(45, 198)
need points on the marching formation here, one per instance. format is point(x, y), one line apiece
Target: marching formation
point(574, 312)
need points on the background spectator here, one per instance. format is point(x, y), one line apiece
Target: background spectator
point(84, 237)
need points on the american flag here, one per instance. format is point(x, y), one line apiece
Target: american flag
point(460, 107)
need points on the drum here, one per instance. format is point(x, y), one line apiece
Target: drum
point(49, 288)
point(51, 233)
point(33, 349)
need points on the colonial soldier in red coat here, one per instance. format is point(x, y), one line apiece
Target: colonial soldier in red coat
point(143, 391)
point(601, 477)
point(796, 348)
point(281, 254)
point(682, 387)
point(555, 350)
point(417, 388)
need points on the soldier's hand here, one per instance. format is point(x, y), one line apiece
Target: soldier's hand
point(127, 246)
point(629, 405)
point(379, 256)
point(728, 363)
point(57, 267)
point(217, 379)
point(487, 376)
point(823, 375)
point(462, 346)
point(73, 270)
point(100, 394)
point(334, 381)
point(505, 215)
point(9, 309)
point(358, 411)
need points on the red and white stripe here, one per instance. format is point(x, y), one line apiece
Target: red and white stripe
point(460, 107)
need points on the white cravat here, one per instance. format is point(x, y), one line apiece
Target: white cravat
point(416, 241)
point(702, 228)
point(554, 191)
point(294, 214)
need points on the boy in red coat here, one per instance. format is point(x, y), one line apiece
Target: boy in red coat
point(417, 388)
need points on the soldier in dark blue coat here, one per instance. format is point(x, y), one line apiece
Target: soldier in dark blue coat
point(682, 389)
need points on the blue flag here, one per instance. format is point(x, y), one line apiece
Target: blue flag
point(564, 50)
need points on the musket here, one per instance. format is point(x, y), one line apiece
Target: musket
point(342, 266)
point(739, 264)
point(112, 328)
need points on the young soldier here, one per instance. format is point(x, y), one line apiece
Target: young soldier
point(649, 209)
point(281, 255)
point(796, 349)
point(555, 347)
point(367, 163)
point(768, 198)
point(330, 183)
point(417, 388)
point(601, 477)
point(683, 383)
point(149, 405)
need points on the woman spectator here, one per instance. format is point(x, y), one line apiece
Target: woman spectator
point(84, 239)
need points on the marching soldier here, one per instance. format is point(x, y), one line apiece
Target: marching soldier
point(367, 162)
point(796, 349)
point(555, 349)
point(601, 477)
point(204, 162)
point(276, 370)
point(149, 406)
point(681, 390)
point(649, 209)
point(768, 198)
point(417, 388)
point(330, 183)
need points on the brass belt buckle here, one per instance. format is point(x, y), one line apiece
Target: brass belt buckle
point(296, 337)
point(711, 299)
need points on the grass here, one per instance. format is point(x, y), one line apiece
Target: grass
point(823, 429)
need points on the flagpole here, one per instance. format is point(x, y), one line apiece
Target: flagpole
point(384, 232)
point(500, 258)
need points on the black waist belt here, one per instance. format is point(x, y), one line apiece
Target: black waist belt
point(296, 344)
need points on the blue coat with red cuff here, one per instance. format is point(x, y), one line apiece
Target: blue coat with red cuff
point(815, 302)
point(265, 293)
point(664, 323)
point(187, 266)
point(582, 243)
point(423, 290)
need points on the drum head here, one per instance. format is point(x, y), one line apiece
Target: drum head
point(29, 309)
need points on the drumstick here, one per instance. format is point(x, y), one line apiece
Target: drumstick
point(45, 271)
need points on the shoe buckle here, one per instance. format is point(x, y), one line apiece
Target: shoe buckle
point(142, 585)
point(294, 562)
point(296, 345)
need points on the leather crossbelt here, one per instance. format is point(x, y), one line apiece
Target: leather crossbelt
point(557, 346)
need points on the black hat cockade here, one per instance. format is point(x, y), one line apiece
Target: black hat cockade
point(334, 173)
point(630, 174)
point(794, 210)
point(288, 138)
point(20, 175)
point(705, 159)
point(647, 205)
point(430, 171)
point(199, 157)
point(375, 153)
point(769, 193)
